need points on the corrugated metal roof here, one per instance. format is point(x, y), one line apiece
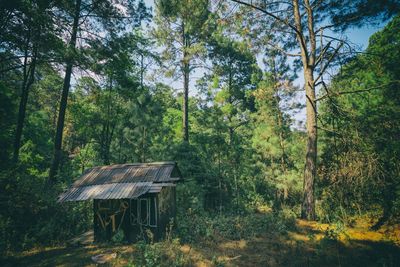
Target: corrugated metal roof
point(122, 181)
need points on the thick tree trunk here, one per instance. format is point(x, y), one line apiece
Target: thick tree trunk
point(310, 170)
point(29, 77)
point(308, 59)
point(64, 97)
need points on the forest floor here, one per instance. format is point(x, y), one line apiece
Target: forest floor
point(309, 244)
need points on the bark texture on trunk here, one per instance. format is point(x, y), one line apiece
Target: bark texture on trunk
point(308, 54)
point(64, 97)
point(310, 170)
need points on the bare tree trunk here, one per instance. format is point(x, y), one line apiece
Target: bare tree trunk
point(310, 171)
point(308, 60)
point(186, 73)
point(64, 97)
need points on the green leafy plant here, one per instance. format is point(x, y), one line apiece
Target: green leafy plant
point(118, 237)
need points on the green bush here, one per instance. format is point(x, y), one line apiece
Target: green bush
point(194, 227)
point(166, 253)
point(119, 237)
point(32, 217)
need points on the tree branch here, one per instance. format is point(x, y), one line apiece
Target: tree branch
point(356, 91)
point(285, 22)
point(329, 61)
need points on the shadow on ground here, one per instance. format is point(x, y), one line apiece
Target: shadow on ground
point(63, 256)
point(306, 245)
point(287, 252)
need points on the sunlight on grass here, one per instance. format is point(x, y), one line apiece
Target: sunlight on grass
point(309, 243)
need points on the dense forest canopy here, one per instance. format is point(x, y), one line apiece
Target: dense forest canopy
point(212, 85)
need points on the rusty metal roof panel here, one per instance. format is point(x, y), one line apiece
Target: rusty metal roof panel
point(164, 173)
point(118, 191)
point(106, 191)
point(123, 191)
point(83, 193)
point(136, 192)
point(139, 190)
point(152, 172)
point(130, 172)
point(157, 187)
point(76, 194)
point(121, 181)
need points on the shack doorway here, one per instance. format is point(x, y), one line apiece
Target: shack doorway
point(135, 218)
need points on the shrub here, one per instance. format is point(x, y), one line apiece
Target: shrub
point(199, 226)
point(166, 253)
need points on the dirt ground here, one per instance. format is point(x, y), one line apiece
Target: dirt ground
point(310, 244)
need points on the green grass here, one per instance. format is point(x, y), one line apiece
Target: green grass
point(306, 244)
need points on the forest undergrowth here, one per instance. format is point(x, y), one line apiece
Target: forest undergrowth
point(254, 240)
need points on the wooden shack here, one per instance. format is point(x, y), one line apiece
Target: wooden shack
point(138, 199)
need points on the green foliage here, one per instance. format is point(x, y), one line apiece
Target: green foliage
point(166, 253)
point(359, 162)
point(279, 150)
point(200, 227)
point(118, 237)
point(8, 108)
point(26, 208)
point(333, 233)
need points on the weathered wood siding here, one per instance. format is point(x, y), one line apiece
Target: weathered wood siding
point(166, 209)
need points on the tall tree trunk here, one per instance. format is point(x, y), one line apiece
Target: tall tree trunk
point(310, 171)
point(64, 96)
point(185, 103)
point(29, 77)
point(186, 73)
point(308, 60)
